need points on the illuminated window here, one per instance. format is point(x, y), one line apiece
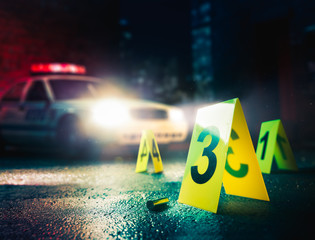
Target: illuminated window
point(205, 7)
point(201, 40)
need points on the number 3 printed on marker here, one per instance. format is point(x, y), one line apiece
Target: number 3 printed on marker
point(207, 152)
point(243, 170)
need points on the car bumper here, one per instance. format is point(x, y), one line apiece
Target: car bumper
point(165, 132)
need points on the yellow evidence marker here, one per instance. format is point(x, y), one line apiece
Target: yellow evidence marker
point(148, 146)
point(221, 151)
point(272, 145)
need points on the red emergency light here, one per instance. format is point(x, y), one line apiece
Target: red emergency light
point(58, 68)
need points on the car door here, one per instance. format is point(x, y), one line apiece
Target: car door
point(37, 114)
point(11, 116)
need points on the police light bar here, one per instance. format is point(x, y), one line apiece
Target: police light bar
point(57, 68)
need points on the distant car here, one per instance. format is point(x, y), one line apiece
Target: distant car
point(69, 112)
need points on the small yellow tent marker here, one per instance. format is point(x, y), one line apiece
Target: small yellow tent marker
point(221, 151)
point(273, 144)
point(148, 146)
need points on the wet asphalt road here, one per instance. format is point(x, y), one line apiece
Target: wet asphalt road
point(45, 197)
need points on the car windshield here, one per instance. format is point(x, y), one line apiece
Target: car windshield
point(73, 89)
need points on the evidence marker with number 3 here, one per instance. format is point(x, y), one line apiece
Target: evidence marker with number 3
point(221, 151)
point(273, 145)
point(148, 146)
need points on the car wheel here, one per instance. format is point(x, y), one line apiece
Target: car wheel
point(92, 150)
point(70, 138)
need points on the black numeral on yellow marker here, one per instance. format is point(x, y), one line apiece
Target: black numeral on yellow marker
point(281, 140)
point(154, 151)
point(265, 140)
point(207, 152)
point(242, 172)
point(144, 151)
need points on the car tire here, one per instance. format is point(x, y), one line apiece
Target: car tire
point(70, 138)
point(73, 142)
point(92, 150)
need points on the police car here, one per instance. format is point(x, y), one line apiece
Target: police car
point(69, 111)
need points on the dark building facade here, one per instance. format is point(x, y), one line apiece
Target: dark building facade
point(58, 31)
point(262, 52)
point(155, 49)
point(201, 38)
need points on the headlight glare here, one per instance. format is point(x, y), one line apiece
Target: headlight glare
point(110, 113)
point(176, 115)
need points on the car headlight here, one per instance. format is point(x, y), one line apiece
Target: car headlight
point(176, 115)
point(110, 113)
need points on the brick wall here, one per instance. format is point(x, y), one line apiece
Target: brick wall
point(56, 31)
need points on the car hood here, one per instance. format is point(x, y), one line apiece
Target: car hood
point(130, 103)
